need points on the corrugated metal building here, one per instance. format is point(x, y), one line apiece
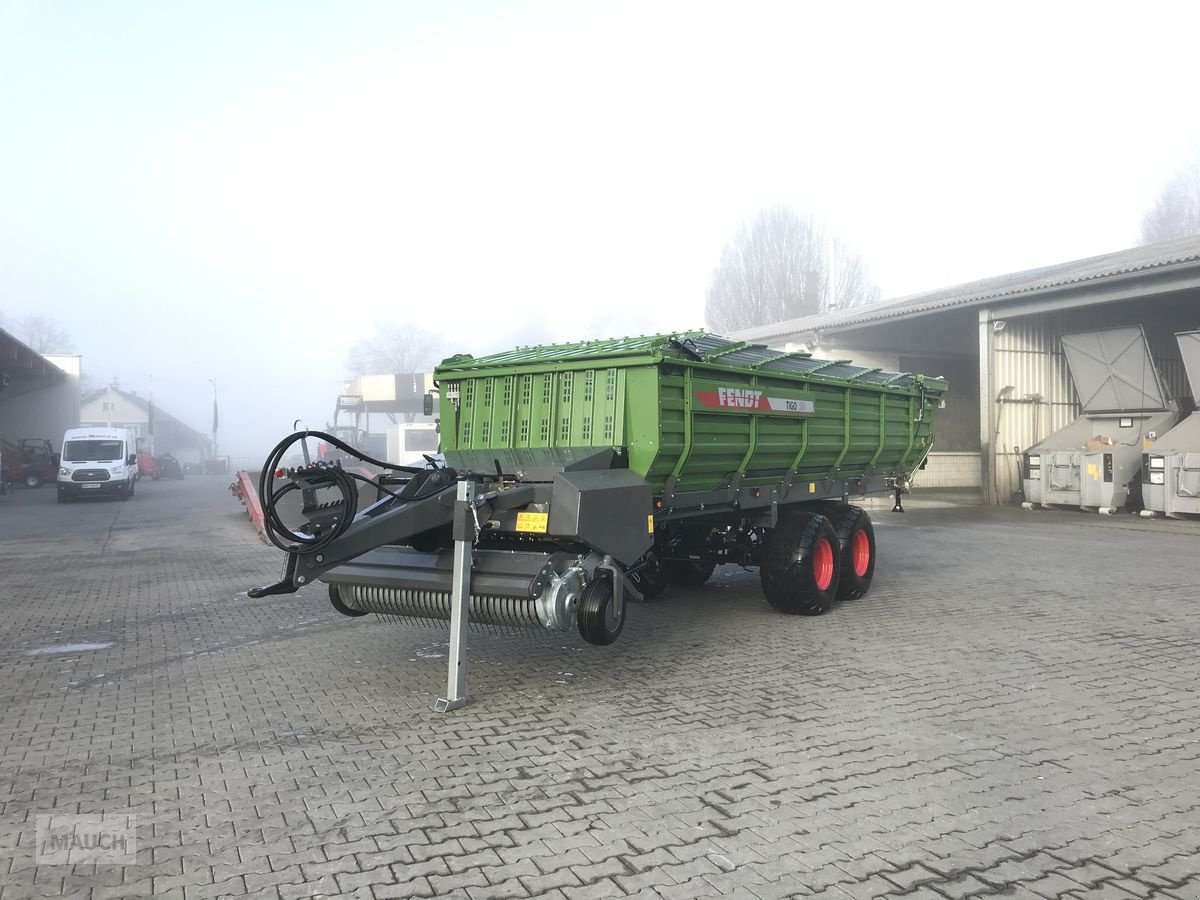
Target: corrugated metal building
point(997, 341)
point(39, 395)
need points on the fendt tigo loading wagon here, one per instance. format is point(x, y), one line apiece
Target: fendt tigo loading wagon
point(577, 477)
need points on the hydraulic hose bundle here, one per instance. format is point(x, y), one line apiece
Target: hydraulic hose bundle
point(310, 478)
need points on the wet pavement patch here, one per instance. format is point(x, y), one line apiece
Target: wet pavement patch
point(56, 649)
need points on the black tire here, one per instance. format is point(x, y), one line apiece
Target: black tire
point(33, 480)
point(689, 573)
point(856, 539)
point(336, 599)
point(801, 564)
point(651, 579)
point(599, 622)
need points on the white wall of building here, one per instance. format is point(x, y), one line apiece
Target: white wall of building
point(950, 469)
point(110, 408)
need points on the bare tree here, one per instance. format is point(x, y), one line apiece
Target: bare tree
point(395, 348)
point(1176, 212)
point(781, 266)
point(39, 334)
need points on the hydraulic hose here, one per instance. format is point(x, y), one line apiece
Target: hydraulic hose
point(325, 476)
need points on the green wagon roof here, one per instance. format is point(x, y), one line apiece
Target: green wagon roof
point(687, 347)
point(607, 347)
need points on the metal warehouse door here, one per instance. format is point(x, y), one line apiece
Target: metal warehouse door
point(1113, 371)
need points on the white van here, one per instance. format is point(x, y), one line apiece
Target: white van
point(100, 461)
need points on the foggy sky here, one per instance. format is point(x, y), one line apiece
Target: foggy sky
point(209, 191)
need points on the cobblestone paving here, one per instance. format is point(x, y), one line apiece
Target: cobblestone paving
point(1011, 713)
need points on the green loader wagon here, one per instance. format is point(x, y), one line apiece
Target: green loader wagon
point(579, 476)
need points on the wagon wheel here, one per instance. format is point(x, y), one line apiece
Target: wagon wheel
point(856, 539)
point(801, 565)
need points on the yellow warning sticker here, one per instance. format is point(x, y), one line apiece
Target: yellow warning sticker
point(650, 524)
point(532, 521)
point(1093, 470)
point(812, 487)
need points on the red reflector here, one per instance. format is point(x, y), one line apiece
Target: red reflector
point(279, 473)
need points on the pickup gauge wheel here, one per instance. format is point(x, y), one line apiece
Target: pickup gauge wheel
point(599, 622)
point(801, 565)
point(336, 599)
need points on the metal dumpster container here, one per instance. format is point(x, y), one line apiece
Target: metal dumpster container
point(1171, 464)
point(1093, 462)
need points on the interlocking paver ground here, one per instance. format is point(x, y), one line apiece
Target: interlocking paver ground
point(1011, 713)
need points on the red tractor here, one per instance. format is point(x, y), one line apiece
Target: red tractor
point(148, 466)
point(30, 461)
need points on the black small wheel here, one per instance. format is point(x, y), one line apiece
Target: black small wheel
point(800, 565)
point(336, 599)
point(856, 539)
point(33, 480)
point(689, 572)
point(600, 622)
point(651, 578)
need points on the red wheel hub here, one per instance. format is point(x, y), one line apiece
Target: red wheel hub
point(822, 558)
point(861, 548)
